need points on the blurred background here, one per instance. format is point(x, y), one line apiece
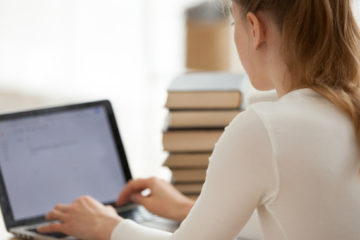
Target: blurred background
point(63, 51)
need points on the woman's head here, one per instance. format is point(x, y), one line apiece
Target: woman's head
point(319, 39)
point(258, 41)
point(318, 45)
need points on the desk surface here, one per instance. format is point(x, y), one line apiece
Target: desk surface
point(4, 235)
point(251, 231)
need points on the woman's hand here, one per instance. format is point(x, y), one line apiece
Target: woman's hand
point(85, 218)
point(164, 200)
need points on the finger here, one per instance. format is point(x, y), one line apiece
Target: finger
point(134, 186)
point(83, 198)
point(55, 215)
point(62, 207)
point(52, 227)
point(110, 207)
point(138, 198)
point(88, 202)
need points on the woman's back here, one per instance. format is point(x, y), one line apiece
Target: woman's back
point(296, 160)
point(317, 158)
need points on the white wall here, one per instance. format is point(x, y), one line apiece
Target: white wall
point(90, 49)
point(356, 9)
point(124, 50)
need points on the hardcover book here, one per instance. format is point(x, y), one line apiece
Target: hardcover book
point(189, 188)
point(187, 160)
point(201, 119)
point(204, 90)
point(191, 140)
point(189, 175)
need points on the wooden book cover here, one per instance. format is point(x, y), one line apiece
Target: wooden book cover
point(187, 160)
point(191, 140)
point(192, 196)
point(189, 175)
point(189, 188)
point(201, 119)
point(206, 90)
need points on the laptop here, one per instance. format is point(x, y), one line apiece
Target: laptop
point(54, 155)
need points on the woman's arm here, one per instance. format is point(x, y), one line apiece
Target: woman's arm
point(240, 177)
point(164, 199)
point(85, 218)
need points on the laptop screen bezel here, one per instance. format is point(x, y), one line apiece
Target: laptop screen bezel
point(8, 216)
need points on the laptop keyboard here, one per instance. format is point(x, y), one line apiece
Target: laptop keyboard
point(138, 214)
point(54, 234)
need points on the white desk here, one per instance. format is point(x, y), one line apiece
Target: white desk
point(251, 231)
point(150, 129)
point(4, 235)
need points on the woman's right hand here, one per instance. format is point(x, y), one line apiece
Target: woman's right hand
point(164, 200)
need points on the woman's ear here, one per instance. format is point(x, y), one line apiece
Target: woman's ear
point(257, 30)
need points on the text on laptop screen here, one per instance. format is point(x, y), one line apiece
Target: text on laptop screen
point(57, 157)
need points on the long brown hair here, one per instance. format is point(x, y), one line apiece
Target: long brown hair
point(320, 46)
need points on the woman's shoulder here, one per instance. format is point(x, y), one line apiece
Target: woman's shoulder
point(248, 126)
point(300, 114)
point(270, 119)
point(255, 114)
point(299, 106)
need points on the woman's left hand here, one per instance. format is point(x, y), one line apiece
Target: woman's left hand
point(85, 218)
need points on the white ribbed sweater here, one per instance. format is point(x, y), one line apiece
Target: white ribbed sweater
point(295, 160)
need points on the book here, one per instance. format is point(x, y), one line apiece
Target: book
point(201, 119)
point(191, 140)
point(187, 160)
point(189, 188)
point(192, 196)
point(206, 90)
point(207, 37)
point(189, 175)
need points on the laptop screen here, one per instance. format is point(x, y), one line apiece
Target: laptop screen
point(56, 157)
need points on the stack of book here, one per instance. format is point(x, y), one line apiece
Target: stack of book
point(200, 106)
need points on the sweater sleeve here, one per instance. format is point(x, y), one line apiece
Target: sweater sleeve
point(129, 230)
point(240, 177)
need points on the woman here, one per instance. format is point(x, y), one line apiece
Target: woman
point(296, 160)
